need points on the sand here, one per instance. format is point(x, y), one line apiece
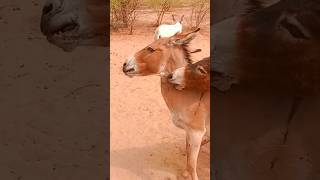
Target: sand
point(145, 144)
point(50, 129)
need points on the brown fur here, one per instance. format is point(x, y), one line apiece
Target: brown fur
point(195, 80)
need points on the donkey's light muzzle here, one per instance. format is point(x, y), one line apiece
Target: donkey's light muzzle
point(130, 67)
point(127, 69)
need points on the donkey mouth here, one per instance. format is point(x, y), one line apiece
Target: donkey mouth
point(64, 36)
point(52, 25)
point(129, 69)
point(130, 72)
point(66, 28)
point(66, 32)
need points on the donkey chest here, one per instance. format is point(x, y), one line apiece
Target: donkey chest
point(182, 105)
point(173, 97)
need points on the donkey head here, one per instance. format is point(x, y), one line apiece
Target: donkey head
point(164, 54)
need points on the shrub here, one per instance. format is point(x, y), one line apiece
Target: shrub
point(200, 9)
point(161, 7)
point(123, 13)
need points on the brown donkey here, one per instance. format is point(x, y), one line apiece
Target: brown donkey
point(190, 109)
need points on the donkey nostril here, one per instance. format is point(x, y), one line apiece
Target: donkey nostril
point(124, 64)
point(170, 76)
point(47, 9)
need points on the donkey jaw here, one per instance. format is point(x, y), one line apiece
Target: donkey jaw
point(131, 74)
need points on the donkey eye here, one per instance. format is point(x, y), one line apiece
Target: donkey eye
point(150, 49)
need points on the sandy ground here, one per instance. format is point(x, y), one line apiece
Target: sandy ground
point(52, 103)
point(145, 144)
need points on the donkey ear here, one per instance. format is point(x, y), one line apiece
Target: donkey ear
point(186, 38)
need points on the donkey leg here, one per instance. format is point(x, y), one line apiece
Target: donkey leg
point(186, 174)
point(194, 138)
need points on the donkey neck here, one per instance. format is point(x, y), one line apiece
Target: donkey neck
point(176, 60)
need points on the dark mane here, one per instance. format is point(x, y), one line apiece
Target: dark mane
point(187, 54)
